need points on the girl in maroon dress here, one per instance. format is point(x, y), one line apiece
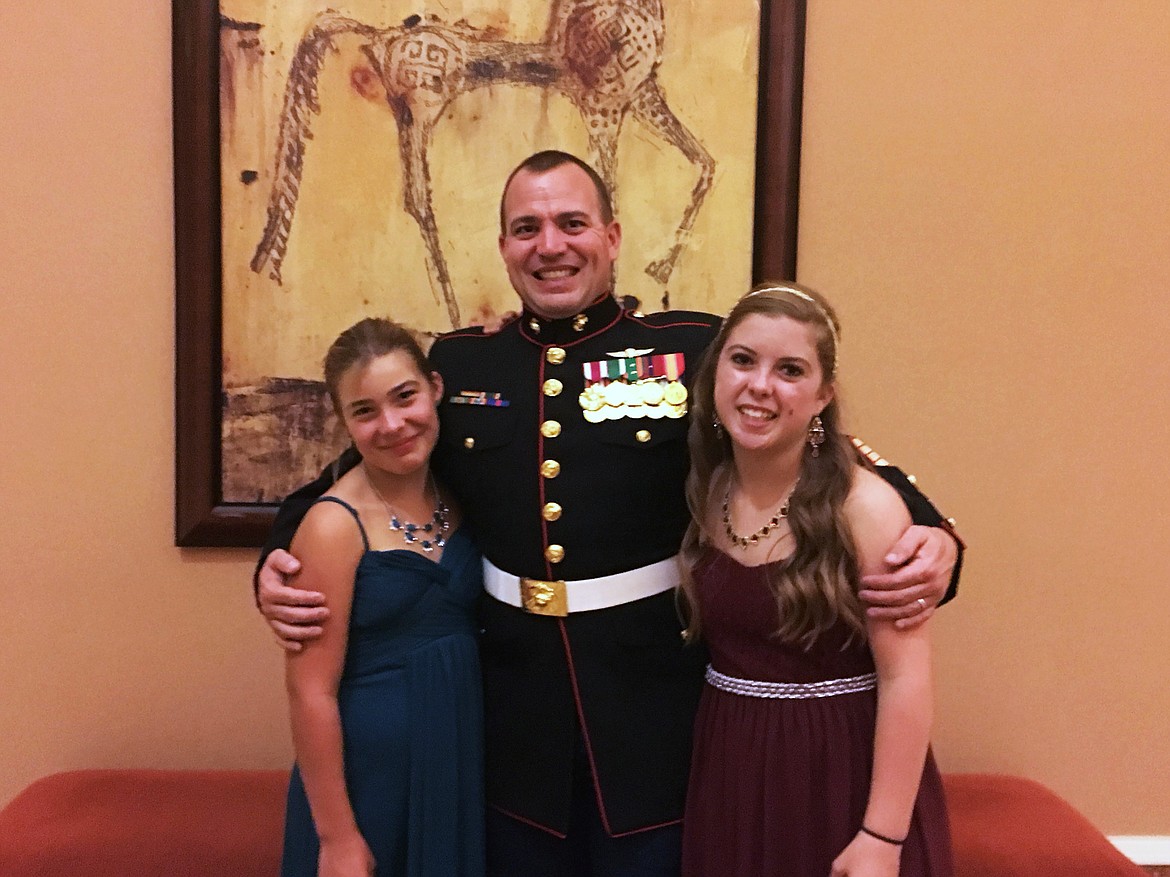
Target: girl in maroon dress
point(811, 754)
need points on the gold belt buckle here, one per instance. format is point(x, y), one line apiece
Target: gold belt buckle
point(544, 598)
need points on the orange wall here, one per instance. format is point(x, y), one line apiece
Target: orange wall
point(984, 193)
point(116, 648)
point(981, 195)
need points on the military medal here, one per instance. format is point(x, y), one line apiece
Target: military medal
point(652, 393)
point(591, 400)
point(675, 393)
point(615, 394)
point(636, 384)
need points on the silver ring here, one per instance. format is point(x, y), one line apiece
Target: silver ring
point(922, 603)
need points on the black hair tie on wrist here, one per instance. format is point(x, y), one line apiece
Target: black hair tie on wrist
point(882, 837)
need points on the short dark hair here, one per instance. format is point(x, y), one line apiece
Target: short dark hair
point(365, 341)
point(549, 159)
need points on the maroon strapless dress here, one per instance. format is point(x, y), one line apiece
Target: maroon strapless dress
point(779, 785)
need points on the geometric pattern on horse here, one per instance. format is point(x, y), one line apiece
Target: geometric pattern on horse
point(603, 55)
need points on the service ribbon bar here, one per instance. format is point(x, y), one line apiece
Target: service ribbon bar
point(636, 368)
point(479, 397)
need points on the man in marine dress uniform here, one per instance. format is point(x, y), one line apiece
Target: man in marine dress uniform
point(564, 438)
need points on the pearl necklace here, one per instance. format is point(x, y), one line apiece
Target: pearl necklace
point(411, 533)
point(765, 531)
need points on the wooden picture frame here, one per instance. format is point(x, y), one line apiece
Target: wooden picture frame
point(202, 518)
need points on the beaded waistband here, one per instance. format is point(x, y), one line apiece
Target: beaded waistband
point(790, 690)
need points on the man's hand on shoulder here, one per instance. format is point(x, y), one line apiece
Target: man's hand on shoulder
point(294, 615)
point(920, 563)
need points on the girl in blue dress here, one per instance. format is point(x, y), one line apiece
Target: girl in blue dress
point(386, 706)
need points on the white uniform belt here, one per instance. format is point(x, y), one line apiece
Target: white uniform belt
point(790, 690)
point(559, 598)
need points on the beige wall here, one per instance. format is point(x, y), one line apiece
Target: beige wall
point(115, 647)
point(982, 195)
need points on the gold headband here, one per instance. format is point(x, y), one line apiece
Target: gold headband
point(791, 290)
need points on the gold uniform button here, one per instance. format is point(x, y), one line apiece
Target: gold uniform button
point(550, 468)
point(469, 443)
point(642, 435)
point(554, 554)
point(551, 511)
point(555, 355)
point(550, 429)
point(553, 387)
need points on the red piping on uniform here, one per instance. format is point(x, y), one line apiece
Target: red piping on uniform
point(584, 727)
point(526, 821)
point(612, 322)
point(562, 835)
point(648, 828)
point(548, 573)
point(589, 746)
point(668, 325)
point(584, 337)
point(469, 332)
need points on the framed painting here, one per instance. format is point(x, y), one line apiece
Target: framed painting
point(333, 164)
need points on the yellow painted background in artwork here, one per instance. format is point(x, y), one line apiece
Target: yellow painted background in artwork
point(353, 251)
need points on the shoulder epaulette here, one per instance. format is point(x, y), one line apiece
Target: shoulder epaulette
point(870, 455)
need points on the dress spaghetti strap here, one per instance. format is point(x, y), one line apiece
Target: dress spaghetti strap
point(352, 511)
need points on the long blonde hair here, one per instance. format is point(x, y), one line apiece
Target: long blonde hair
point(815, 586)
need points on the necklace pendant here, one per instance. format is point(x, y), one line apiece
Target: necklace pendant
point(411, 532)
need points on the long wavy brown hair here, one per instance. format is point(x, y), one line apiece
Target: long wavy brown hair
point(815, 586)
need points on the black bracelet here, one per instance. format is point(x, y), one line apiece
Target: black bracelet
point(882, 837)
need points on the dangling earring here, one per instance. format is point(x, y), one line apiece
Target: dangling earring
point(718, 425)
point(816, 435)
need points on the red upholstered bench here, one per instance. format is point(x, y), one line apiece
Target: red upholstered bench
point(163, 823)
point(146, 823)
point(1006, 826)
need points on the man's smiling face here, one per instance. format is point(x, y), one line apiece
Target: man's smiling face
point(558, 248)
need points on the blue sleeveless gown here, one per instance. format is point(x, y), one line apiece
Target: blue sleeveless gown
point(411, 717)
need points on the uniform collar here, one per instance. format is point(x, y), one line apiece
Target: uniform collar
point(596, 318)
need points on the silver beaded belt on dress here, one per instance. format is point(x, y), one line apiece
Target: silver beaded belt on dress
point(791, 690)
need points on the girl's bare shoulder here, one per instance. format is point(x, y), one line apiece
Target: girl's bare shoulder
point(328, 525)
point(870, 494)
point(876, 514)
